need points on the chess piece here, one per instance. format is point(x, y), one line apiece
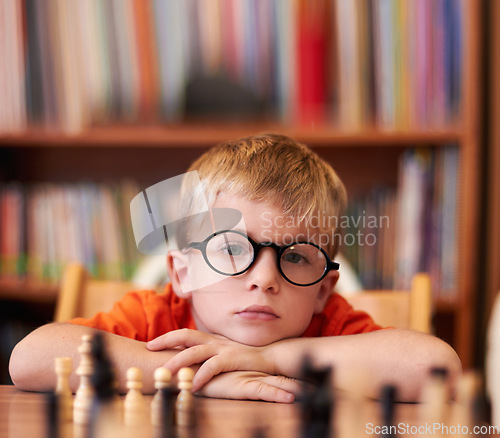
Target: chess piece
point(85, 393)
point(387, 400)
point(464, 409)
point(184, 406)
point(106, 418)
point(134, 405)
point(435, 397)
point(162, 378)
point(317, 400)
point(63, 367)
point(103, 376)
point(53, 415)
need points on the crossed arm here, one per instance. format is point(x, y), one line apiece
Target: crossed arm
point(400, 357)
point(32, 365)
point(228, 369)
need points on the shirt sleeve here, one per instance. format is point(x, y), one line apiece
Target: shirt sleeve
point(355, 322)
point(127, 318)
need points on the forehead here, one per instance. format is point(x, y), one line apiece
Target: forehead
point(263, 221)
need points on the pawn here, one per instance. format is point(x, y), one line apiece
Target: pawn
point(63, 367)
point(464, 409)
point(85, 393)
point(134, 405)
point(435, 397)
point(184, 405)
point(162, 378)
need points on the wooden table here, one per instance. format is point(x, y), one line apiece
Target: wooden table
point(22, 414)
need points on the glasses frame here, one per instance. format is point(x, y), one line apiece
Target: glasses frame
point(257, 246)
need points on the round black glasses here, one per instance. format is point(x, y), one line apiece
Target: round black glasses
point(232, 253)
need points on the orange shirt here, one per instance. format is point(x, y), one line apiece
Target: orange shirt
point(145, 315)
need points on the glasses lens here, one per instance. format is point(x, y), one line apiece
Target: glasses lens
point(229, 252)
point(303, 263)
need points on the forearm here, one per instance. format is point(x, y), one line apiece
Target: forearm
point(398, 357)
point(32, 361)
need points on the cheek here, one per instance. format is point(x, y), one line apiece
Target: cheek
point(302, 308)
point(211, 303)
point(211, 311)
point(203, 277)
point(204, 301)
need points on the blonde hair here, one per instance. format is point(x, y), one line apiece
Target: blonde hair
point(271, 168)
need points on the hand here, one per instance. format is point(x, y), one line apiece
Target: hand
point(250, 385)
point(216, 353)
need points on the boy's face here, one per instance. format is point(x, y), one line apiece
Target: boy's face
point(259, 306)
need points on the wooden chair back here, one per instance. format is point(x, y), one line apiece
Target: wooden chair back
point(81, 295)
point(402, 309)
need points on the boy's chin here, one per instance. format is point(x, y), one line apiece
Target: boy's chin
point(254, 340)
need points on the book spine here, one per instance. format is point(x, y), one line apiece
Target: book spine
point(391, 63)
point(311, 62)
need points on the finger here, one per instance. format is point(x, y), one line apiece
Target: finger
point(259, 390)
point(210, 368)
point(288, 384)
point(177, 338)
point(222, 363)
point(191, 356)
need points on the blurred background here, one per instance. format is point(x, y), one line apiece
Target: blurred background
point(103, 98)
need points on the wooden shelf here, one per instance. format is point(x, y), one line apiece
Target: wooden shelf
point(27, 290)
point(205, 134)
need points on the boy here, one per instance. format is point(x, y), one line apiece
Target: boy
point(248, 301)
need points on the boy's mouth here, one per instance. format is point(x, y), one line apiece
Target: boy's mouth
point(264, 313)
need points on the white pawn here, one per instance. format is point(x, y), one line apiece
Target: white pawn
point(434, 405)
point(468, 388)
point(85, 393)
point(134, 405)
point(63, 367)
point(184, 406)
point(162, 378)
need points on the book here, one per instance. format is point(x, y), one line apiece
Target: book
point(44, 227)
point(395, 232)
point(384, 63)
point(312, 73)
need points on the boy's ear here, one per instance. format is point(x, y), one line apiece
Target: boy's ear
point(325, 290)
point(178, 271)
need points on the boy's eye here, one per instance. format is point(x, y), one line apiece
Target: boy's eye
point(228, 244)
point(295, 258)
point(234, 249)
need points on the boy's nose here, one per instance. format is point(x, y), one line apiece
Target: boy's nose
point(264, 273)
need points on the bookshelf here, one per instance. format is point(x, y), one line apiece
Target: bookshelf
point(166, 148)
point(205, 135)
